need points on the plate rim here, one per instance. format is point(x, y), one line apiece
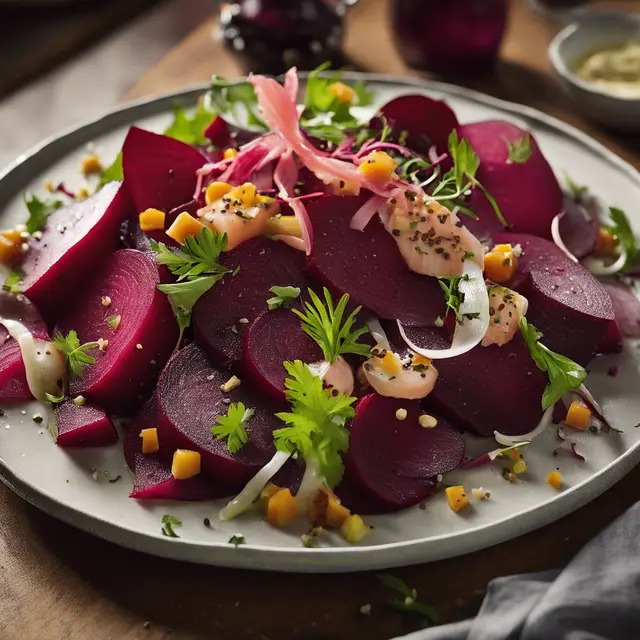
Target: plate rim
point(294, 559)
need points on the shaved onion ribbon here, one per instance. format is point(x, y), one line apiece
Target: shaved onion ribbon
point(378, 333)
point(487, 458)
point(599, 268)
point(557, 238)
point(470, 333)
point(545, 421)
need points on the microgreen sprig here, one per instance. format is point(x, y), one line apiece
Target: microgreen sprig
point(405, 599)
point(75, 353)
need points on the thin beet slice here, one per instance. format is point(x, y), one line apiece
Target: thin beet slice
point(359, 501)
point(189, 403)
point(13, 378)
point(159, 172)
point(152, 479)
point(220, 314)
point(85, 426)
point(528, 193)
point(124, 370)
point(368, 266)
point(566, 303)
point(75, 241)
point(578, 228)
point(274, 337)
point(396, 460)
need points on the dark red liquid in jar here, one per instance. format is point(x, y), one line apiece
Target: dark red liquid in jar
point(448, 35)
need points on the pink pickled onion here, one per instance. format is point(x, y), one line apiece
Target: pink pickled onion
point(291, 83)
point(367, 211)
point(626, 307)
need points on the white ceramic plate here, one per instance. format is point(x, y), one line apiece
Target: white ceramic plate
point(61, 483)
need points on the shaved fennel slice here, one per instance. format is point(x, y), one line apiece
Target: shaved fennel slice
point(378, 333)
point(470, 333)
point(252, 490)
point(557, 238)
point(311, 483)
point(598, 268)
point(545, 421)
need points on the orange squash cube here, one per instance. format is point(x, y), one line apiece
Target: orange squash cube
point(9, 251)
point(354, 529)
point(184, 225)
point(283, 226)
point(378, 166)
point(215, 191)
point(152, 220)
point(186, 464)
point(606, 243)
point(327, 510)
point(500, 264)
point(343, 92)
point(150, 442)
point(578, 416)
point(555, 480)
point(282, 508)
point(230, 153)
point(456, 498)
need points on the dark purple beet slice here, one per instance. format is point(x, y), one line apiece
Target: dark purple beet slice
point(274, 337)
point(578, 229)
point(368, 266)
point(189, 402)
point(13, 379)
point(612, 341)
point(152, 479)
point(86, 426)
point(159, 172)
point(359, 501)
point(123, 371)
point(427, 121)
point(75, 241)
point(222, 134)
point(263, 264)
point(396, 460)
point(566, 303)
point(528, 194)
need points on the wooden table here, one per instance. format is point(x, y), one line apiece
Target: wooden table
point(57, 582)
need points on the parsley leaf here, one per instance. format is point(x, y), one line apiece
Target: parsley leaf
point(324, 323)
point(114, 321)
point(13, 283)
point(315, 424)
point(623, 232)
point(168, 522)
point(39, 211)
point(74, 353)
point(407, 602)
point(519, 151)
point(237, 539)
point(564, 374)
point(235, 100)
point(232, 426)
point(190, 129)
point(283, 297)
point(112, 173)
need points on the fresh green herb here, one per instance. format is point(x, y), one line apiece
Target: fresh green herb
point(636, 425)
point(232, 426)
point(237, 539)
point(236, 271)
point(190, 129)
point(234, 100)
point(114, 321)
point(564, 374)
point(282, 297)
point(315, 422)
point(55, 399)
point(468, 255)
point(405, 599)
point(75, 353)
point(324, 323)
point(577, 191)
point(168, 522)
point(453, 297)
point(52, 428)
point(39, 211)
point(623, 232)
point(13, 283)
point(519, 151)
point(112, 173)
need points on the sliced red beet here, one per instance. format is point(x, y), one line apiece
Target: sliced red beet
point(612, 342)
point(566, 303)
point(578, 228)
point(189, 403)
point(528, 194)
point(216, 318)
point(427, 121)
point(13, 378)
point(75, 241)
point(124, 370)
point(359, 501)
point(396, 460)
point(274, 337)
point(368, 266)
point(152, 479)
point(86, 426)
point(159, 172)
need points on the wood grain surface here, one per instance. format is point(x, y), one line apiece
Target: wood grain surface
point(60, 583)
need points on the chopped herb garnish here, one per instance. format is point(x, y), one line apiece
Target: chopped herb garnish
point(237, 539)
point(112, 172)
point(52, 428)
point(282, 297)
point(116, 479)
point(168, 522)
point(405, 599)
point(564, 374)
point(232, 426)
point(114, 321)
point(234, 100)
point(236, 271)
point(39, 211)
point(75, 353)
point(13, 284)
point(324, 323)
point(519, 151)
point(623, 232)
point(190, 129)
point(577, 191)
point(54, 399)
point(453, 297)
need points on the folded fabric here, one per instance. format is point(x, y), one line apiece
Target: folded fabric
point(596, 597)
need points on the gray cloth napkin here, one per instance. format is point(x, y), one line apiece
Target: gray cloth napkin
point(596, 597)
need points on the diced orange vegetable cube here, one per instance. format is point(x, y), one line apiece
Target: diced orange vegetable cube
point(555, 479)
point(91, 164)
point(268, 492)
point(8, 251)
point(215, 191)
point(282, 508)
point(183, 226)
point(14, 235)
point(327, 510)
point(150, 442)
point(230, 153)
point(456, 498)
point(82, 194)
point(152, 220)
point(246, 195)
point(378, 166)
point(391, 364)
point(354, 529)
point(500, 264)
point(283, 226)
point(186, 464)
point(606, 243)
point(578, 416)
point(343, 92)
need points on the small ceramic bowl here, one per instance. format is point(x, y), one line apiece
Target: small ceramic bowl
point(590, 32)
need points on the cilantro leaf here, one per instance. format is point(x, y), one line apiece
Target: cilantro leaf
point(75, 353)
point(623, 232)
point(190, 129)
point(232, 426)
point(408, 602)
point(237, 539)
point(324, 323)
point(283, 297)
point(234, 100)
point(519, 151)
point(168, 522)
point(315, 424)
point(113, 172)
point(39, 211)
point(13, 283)
point(564, 374)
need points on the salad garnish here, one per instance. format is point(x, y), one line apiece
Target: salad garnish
point(114, 321)
point(564, 374)
point(112, 172)
point(39, 211)
point(189, 129)
point(454, 297)
point(233, 426)
point(13, 283)
point(622, 231)
point(237, 539)
point(519, 151)
point(282, 297)
point(405, 599)
point(168, 522)
point(75, 353)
